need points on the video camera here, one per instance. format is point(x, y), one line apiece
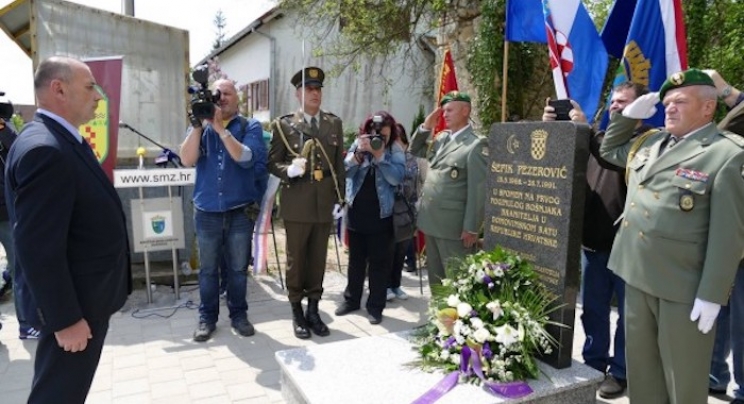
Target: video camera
point(202, 99)
point(376, 141)
point(6, 108)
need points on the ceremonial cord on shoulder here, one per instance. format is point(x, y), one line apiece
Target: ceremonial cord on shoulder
point(307, 152)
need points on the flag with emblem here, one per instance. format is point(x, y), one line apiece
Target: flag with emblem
point(578, 58)
point(447, 83)
point(649, 38)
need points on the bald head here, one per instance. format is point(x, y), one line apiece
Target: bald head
point(228, 97)
point(66, 87)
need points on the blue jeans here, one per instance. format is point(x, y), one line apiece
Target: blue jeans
point(599, 284)
point(19, 299)
point(233, 231)
point(730, 339)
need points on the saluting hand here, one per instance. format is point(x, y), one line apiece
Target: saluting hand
point(432, 119)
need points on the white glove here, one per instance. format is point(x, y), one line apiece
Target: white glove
point(297, 168)
point(643, 107)
point(338, 212)
point(707, 312)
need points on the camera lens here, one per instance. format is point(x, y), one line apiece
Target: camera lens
point(376, 143)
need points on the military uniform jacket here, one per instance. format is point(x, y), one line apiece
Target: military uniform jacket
point(681, 234)
point(453, 196)
point(306, 199)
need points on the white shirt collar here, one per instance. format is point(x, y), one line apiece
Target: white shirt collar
point(454, 135)
point(63, 122)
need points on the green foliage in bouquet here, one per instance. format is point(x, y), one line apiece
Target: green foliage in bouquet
point(493, 303)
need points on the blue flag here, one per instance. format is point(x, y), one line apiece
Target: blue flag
point(654, 47)
point(616, 28)
point(524, 21)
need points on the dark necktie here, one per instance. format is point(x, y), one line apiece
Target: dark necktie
point(670, 142)
point(314, 127)
point(84, 144)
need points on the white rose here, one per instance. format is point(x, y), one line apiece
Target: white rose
point(464, 309)
point(453, 301)
point(481, 335)
point(476, 323)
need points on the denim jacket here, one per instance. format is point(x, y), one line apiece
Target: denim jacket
point(390, 173)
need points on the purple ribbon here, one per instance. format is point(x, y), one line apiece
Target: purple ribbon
point(467, 358)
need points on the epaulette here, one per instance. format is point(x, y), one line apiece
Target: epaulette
point(733, 137)
point(329, 113)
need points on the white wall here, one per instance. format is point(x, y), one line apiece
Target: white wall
point(352, 96)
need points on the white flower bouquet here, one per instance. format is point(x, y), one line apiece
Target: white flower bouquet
point(487, 323)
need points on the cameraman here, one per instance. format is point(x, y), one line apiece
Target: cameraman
point(375, 166)
point(230, 158)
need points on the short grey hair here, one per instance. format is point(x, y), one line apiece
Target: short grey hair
point(53, 68)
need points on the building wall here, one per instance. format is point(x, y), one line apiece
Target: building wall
point(400, 87)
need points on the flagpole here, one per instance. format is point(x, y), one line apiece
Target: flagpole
point(505, 80)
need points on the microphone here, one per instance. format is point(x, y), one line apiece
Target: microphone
point(166, 154)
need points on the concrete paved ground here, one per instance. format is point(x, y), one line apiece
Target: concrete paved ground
point(149, 356)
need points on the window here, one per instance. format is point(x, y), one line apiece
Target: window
point(258, 95)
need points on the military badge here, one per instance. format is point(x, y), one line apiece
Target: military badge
point(318, 174)
point(313, 73)
point(686, 201)
point(454, 174)
point(677, 78)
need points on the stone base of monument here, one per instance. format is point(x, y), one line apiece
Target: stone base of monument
point(381, 369)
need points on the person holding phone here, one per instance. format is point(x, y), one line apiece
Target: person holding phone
point(605, 199)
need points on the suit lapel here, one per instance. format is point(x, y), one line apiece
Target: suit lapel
point(687, 149)
point(85, 156)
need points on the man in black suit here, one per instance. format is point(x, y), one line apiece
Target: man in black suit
point(70, 233)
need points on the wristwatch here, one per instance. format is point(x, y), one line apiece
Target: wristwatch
point(726, 92)
point(226, 135)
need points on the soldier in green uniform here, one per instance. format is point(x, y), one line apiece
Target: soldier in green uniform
point(452, 202)
point(307, 154)
point(680, 237)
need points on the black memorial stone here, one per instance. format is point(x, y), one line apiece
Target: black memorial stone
point(535, 207)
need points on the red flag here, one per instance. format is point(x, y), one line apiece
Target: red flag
point(447, 83)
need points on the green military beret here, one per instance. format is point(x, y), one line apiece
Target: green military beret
point(689, 77)
point(454, 96)
point(313, 76)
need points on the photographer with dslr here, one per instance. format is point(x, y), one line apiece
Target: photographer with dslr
point(375, 166)
point(230, 158)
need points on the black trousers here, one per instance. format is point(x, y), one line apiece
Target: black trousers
point(369, 255)
point(65, 377)
point(399, 258)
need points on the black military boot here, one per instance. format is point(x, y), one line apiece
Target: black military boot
point(313, 319)
point(298, 322)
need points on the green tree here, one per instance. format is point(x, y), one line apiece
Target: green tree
point(381, 28)
point(220, 22)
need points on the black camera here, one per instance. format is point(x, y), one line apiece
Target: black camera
point(202, 99)
point(376, 141)
point(6, 108)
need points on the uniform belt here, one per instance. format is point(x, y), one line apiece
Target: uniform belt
point(308, 176)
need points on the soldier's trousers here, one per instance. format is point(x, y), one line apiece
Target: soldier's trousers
point(667, 357)
point(307, 248)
